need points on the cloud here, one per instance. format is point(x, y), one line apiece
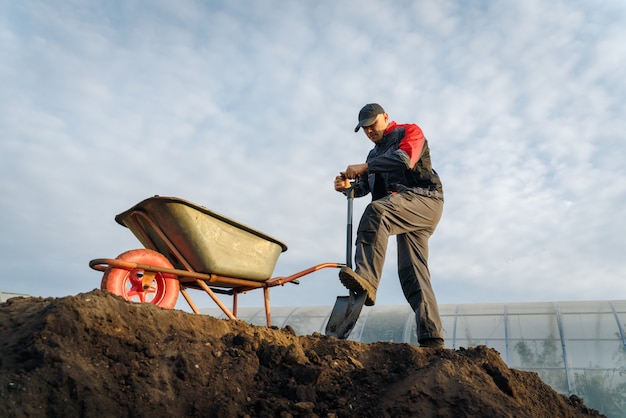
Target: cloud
point(249, 109)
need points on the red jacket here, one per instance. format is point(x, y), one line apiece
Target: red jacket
point(400, 162)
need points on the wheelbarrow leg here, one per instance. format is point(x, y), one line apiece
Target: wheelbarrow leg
point(217, 301)
point(266, 296)
point(193, 306)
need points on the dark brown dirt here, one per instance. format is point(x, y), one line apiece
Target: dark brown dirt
point(96, 355)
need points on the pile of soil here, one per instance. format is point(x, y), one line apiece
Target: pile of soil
point(96, 355)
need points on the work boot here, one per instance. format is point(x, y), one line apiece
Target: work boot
point(352, 281)
point(432, 343)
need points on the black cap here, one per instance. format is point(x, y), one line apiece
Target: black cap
point(368, 114)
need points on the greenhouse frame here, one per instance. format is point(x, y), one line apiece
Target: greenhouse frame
point(575, 347)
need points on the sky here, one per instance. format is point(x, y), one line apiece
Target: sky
point(248, 108)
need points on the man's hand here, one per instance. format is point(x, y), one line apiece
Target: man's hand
point(355, 170)
point(342, 183)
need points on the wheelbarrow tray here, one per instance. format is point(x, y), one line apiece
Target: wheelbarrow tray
point(207, 241)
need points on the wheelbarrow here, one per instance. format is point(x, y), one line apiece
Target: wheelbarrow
point(191, 247)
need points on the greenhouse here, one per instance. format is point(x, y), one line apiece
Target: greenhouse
point(575, 347)
point(4, 296)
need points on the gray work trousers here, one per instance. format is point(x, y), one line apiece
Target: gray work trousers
point(413, 219)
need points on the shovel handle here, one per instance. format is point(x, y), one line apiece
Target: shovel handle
point(350, 196)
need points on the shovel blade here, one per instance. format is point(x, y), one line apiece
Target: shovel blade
point(345, 314)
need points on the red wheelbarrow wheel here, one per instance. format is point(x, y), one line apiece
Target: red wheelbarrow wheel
point(128, 284)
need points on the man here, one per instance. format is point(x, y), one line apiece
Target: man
point(407, 201)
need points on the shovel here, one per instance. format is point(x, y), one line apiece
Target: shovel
point(347, 308)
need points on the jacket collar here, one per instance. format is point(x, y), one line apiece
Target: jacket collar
point(390, 127)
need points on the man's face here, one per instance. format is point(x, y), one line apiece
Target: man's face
point(376, 130)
